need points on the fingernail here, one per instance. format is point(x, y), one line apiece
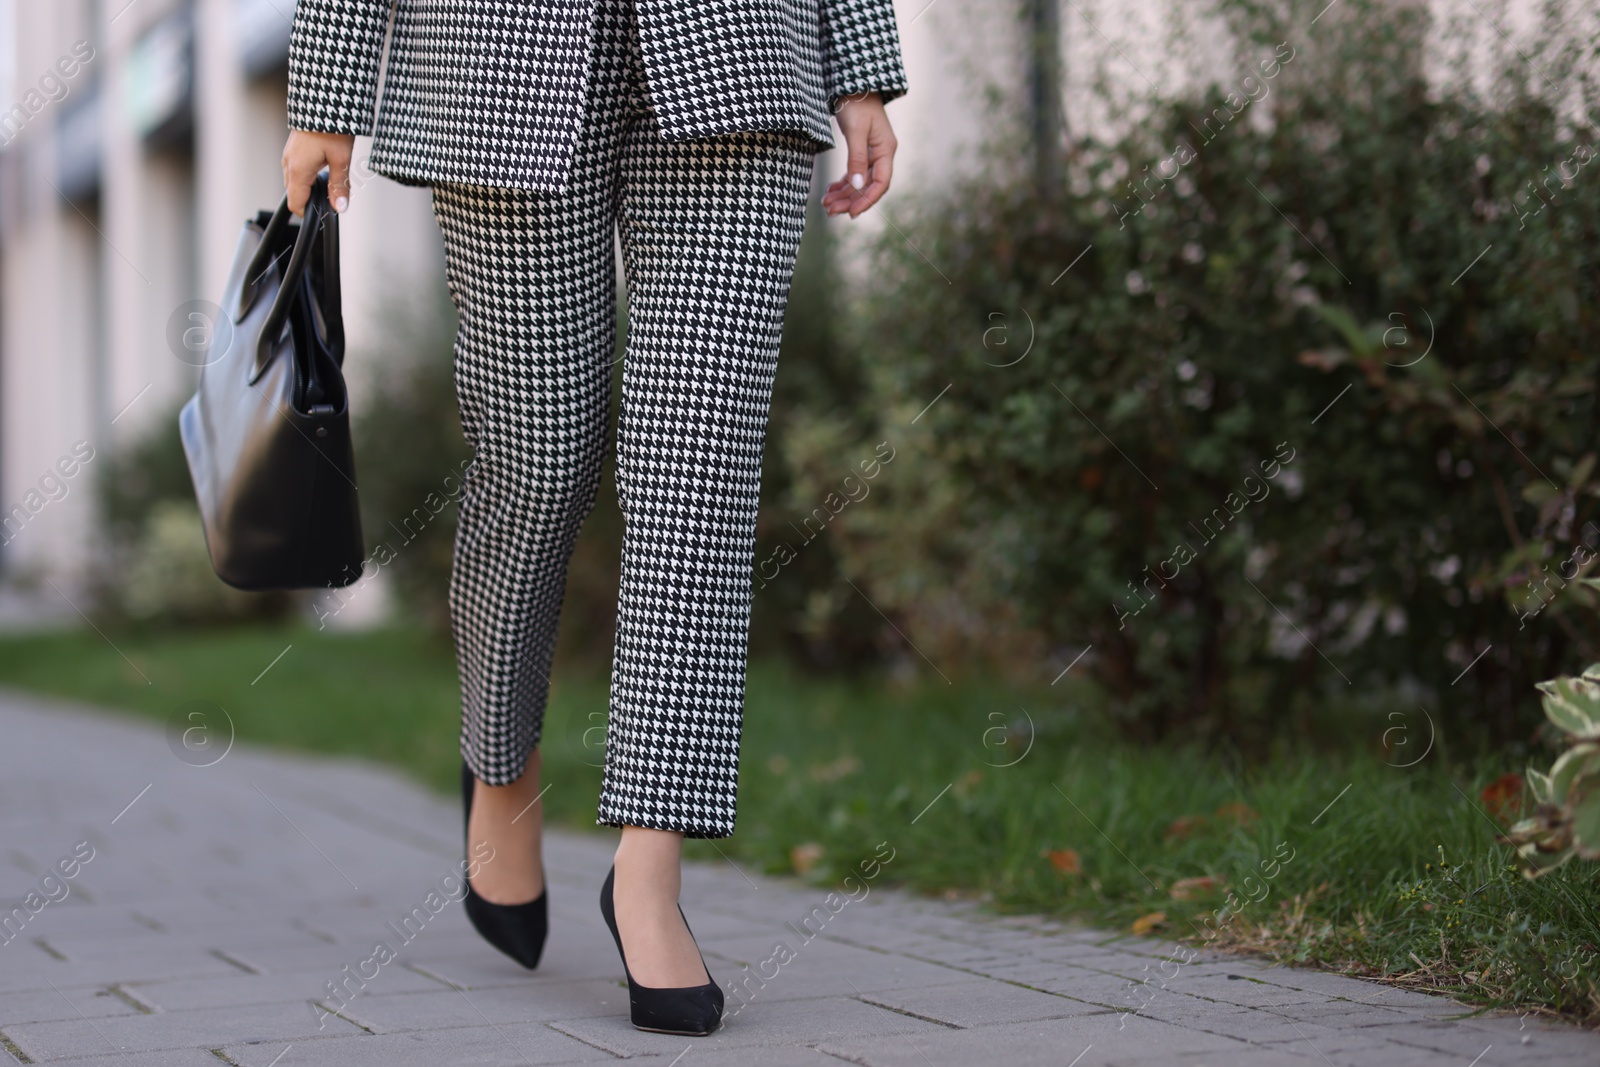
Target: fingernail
point(340, 204)
point(857, 181)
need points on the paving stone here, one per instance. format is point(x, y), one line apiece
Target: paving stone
point(754, 969)
point(171, 1057)
point(42, 968)
point(218, 921)
point(47, 1005)
point(1458, 1040)
point(1347, 1014)
point(310, 955)
point(443, 1009)
point(475, 965)
point(171, 1030)
point(1252, 1057)
point(1228, 1020)
point(740, 1057)
point(287, 987)
point(815, 1022)
point(1325, 982)
point(514, 1045)
point(1554, 1046)
point(1109, 991)
point(1097, 1039)
point(1241, 990)
point(1359, 1050)
point(1287, 1024)
point(92, 920)
point(1407, 1000)
point(1127, 967)
point(978, 1003)
point(89, 948)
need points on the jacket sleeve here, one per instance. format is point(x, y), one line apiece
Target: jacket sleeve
point(860, 50)
point(334, 53)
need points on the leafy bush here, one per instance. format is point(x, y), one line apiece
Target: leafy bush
point(1566, 818)
point(408, 444)
point(151, 564)
point(167, 575)
point(1256, 408)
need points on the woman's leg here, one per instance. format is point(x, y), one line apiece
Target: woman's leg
point(533, 277)
point(710, 230)
point(509, 818)
point(660, 952)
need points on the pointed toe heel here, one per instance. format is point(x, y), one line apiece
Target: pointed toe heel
point(687, 1011)
point(518, 930)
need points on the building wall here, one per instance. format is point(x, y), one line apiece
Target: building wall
point(93, 290)
point(51, 306)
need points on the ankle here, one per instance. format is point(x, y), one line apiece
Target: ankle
point(651, 857)
point(516, 802)
point(660, 949)
point(505, 828)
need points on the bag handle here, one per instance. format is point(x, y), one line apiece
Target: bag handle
point(262, 261)
point(319, 215)
point(332, 300)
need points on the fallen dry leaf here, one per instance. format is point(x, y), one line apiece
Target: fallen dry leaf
point(1502, 798)
point(804, 857)
point(1240, 814)
point(1145, 923)
point(1189, 888)
point(831, 772)
point(1065, 860)
point(1324, 359)
point(1185, 826)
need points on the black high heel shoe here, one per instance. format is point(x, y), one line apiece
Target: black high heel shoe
point(688, 1011)
point(518, 930)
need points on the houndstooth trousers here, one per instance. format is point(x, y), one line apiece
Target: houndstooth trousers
point(709, 232)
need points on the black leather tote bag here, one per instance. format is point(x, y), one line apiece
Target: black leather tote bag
point(267, 434)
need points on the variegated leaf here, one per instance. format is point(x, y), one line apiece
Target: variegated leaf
point(1572, 768)
point(1573, 704)
point(1586, 823)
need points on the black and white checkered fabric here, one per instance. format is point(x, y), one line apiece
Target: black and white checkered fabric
point(491, 92)
point(710, 229)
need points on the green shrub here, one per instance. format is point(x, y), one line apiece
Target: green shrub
point(1256, 407)
point(150, 564)
point(1566, 818)
point(408, 444)
point(166, 575)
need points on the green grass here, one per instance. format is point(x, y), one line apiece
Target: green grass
point(1380, 869)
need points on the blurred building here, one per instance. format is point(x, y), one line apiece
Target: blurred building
point(136, 136)
point(141, 136)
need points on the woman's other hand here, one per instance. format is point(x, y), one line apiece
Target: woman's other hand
point(870, 145)
point(307, 152)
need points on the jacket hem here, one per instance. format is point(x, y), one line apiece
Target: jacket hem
point(394, 163)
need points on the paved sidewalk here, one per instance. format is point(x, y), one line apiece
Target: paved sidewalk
point(220, 901)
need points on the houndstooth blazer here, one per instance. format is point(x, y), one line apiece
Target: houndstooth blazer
point(491, 92)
